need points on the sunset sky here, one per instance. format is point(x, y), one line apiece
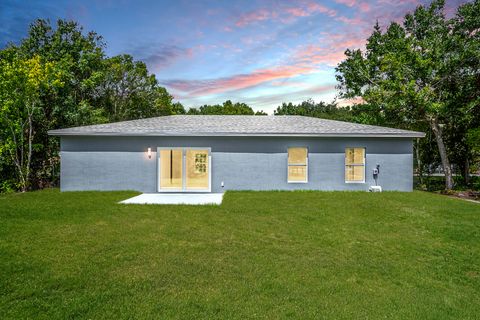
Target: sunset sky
point(259, 52)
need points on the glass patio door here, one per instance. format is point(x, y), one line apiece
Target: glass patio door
point(184, 169)
point(171, 169)
point(197, 173)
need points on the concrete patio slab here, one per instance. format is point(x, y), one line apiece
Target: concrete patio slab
point(176, 198)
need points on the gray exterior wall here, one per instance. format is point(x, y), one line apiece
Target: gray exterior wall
point(242, 163)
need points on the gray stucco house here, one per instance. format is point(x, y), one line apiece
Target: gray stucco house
point(218, 153)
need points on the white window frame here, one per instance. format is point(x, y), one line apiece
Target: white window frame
point(298, 164)
point(355, 165)
point(184, 165)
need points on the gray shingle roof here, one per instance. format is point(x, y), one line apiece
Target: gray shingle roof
point(199, 125)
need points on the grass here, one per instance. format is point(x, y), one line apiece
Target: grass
point(272, 255)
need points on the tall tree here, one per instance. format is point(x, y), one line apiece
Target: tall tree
point(129, 91)
point(21, 83)
point(405, 71)
point(463, 83)
point(78, 56)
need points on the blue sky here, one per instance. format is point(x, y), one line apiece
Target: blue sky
point(259, 52)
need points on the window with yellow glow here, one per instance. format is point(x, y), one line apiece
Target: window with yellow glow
point(355, 165)
point(197, 169)
point(297, 165)
point(171, 169)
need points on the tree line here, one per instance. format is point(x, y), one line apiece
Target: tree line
point(422, 74)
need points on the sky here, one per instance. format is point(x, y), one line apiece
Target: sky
point(262, 53)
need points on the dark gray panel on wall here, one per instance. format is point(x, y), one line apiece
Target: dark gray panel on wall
point(236, 144)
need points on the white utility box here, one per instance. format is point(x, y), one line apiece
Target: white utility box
point(375, 189)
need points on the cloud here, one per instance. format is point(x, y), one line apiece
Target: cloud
point(297, 12)
point(331, 50)
point(160, 56)
point(351, 21)
point(348, 3)
point(316, 7)
point(301, 61)
point(293, 96)
point(284, 14)
point(254, 16)
point(235, 82)
point(350, 102)
point(364, 6)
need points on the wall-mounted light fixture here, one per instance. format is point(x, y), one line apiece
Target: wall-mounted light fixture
point(149, 153)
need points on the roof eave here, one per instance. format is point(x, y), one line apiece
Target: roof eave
point(412, 134)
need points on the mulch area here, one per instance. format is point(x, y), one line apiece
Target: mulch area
point(467, 195)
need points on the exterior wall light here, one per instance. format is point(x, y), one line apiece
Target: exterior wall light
point(149, 153)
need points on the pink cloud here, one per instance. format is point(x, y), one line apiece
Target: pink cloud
point(235, 82)
point(288, 83)
point(348, 3)
point(285, 14)
point(350, 102)
point(364, 6)
point(253, 16)
point(351, 21)
point(297, 12)
point(315, 55)
point(331, 51)
point(316, 7)
point(291, 96)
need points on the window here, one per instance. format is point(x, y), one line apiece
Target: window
point(355, 165)
point(297, 165)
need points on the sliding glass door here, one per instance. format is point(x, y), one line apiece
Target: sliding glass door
point(171, 169)
point(184, 169)
point(197, 171)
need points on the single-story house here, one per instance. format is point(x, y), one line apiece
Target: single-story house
point(197, 153)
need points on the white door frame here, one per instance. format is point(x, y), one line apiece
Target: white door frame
point(184, 165)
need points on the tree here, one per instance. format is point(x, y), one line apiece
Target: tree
point(406, 71)
point(463, 84)
point(79, 58)
point(312, 109)
point(21, 81)
point(129, 91)
point(227, 108)
point(473, 140)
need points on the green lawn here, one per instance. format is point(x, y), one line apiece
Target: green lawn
point(266, 255)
